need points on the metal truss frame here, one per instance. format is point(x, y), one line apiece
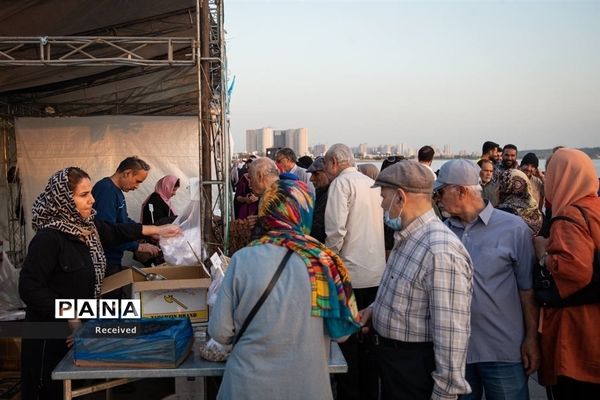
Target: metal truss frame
point(206, 52)
point(16, 228)
point(212, 79)
point(96, 50)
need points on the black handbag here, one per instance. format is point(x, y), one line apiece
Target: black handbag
point(545, 288)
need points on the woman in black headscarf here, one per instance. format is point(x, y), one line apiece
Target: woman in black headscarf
point(65, 260)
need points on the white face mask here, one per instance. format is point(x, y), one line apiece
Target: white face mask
point(392, 223)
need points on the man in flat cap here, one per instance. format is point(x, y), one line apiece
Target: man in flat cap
point(421, 315)
point(503, 347)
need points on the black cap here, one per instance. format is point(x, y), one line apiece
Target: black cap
point(530, 158)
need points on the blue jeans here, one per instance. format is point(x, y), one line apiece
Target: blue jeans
point(499, 381)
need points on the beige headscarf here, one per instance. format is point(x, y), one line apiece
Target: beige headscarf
point(570, 176)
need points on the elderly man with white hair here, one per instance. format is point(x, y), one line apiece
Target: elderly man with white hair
point(262, 173)
point(353, 224)
point(503, 348)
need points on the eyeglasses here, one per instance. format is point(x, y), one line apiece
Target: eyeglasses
point(438, 194)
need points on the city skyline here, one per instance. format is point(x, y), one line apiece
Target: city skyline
point(417, 72)
point(259, 141)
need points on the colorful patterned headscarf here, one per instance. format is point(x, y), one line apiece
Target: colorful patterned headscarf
point(55, 208)
point(285, 218)
point(514, 195)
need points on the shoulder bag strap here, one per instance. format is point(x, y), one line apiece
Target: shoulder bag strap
point(587, 222)
point(264, 296)
point(583, 214)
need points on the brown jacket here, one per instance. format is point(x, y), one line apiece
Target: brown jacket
point(571, 335)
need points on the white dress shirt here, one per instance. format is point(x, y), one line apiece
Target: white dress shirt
point(354, 226)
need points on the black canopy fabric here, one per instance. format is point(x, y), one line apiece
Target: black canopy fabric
point(85, 90)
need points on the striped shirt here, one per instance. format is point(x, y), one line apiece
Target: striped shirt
point(425, 296)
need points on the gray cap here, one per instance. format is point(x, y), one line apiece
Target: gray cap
point(457, 172)
point(317, 165)
point(410, 175)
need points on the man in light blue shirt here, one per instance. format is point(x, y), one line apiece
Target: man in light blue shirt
point(503, 348)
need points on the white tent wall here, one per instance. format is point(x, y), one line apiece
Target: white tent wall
point(98, 144)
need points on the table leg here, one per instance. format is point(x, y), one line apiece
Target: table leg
point(108, 392)
point(67, 395)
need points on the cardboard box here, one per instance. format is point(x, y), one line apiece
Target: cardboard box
point(182, 294)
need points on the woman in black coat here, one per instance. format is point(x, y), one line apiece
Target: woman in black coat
point(65, 260)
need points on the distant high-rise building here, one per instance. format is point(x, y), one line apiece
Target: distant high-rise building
point(295, 139)
point(299, 138)
point(258, 140)
point(363, 149)
point(447, 152)
point(319, 149)
point(279, 139)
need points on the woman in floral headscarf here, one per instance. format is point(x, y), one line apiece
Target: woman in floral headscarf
point(287, 343)
point(65, 260)
point(569, 335)
point(514, 196)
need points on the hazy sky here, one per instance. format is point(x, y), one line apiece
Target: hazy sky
point(417, 72)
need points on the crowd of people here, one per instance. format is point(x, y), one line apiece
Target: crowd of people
point(449, 308)
point(426, 279)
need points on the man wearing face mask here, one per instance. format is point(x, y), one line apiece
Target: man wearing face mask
point(421, 314)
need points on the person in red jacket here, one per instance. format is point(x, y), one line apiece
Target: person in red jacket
point(569, 335)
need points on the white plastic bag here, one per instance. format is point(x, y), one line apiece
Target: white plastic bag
point(215, 286)
point(9, 282)
point(187, 248)
point(217, 272)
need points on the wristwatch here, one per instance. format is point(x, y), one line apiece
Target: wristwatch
point(543, 259)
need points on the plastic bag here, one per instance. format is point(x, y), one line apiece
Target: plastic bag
point(217, 272)
point(215, 286)
point(187, 248)
point(214, 351)
point(9, 282)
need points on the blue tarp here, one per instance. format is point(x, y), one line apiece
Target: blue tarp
point(158, 341)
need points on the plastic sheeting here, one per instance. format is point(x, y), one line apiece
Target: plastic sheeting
point(98, 144)
point(9, 286)
point(185, 249)
point(156, 342)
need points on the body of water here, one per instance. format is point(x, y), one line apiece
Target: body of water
point(438, 163)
